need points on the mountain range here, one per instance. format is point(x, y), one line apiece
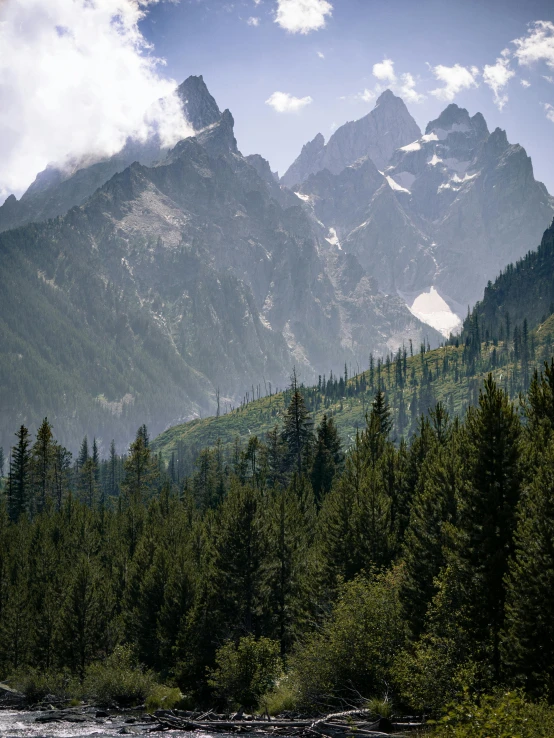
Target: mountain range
point(150, 286)
point(449, 210)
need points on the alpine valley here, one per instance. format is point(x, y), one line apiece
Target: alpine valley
point(159, 285)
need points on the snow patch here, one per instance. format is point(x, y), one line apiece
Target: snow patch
point(442, 133)
point(435, 160)
point(306, 198)
point(465, 178)
point(430, 137)
point(395, 186)
point(415, 146)
point(430, 308)
point(405, 179)
point(333, 239)
point(456, 182)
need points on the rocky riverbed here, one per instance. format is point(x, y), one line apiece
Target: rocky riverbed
point(74, 723)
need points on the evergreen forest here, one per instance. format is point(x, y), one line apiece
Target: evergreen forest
point(295, 572)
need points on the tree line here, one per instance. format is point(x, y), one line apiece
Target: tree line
point(408, 568)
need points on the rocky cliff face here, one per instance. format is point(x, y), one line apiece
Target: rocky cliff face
point(55, 191)
point(172, 280)
point(377, 135)
point(448, 212)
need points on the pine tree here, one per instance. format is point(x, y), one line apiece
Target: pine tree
point(276, 457)
point(287, 572)
point(95, 458)
point(328, 458)
point(297, 430)
point(19, 477)
point(378, 428)
point(43, 466)
point(14, 625)
point(83, 453)
point(528, 638)
point(113, 489)
point(61, 474)
point(488, 513)
point(140, 471)
point(238, 549)
point(433, 513)
point(81, 627)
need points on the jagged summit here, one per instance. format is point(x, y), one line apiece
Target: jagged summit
point(451, 116)
point(377, 135)
point(456, 119)
point(199, 106)
point(385, 96)
point(389, 99)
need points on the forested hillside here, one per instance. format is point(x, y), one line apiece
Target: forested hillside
point(413, 380)
point(393, 571)
point(524, 290)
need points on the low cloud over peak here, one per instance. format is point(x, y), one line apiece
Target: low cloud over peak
point(76, 80)
point(455, 79)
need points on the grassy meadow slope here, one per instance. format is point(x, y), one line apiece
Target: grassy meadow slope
point(452, 374)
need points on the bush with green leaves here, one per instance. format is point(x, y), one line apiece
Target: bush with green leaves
point(162, 697)
point(37, 685)
point(118, 679)
point(500, 715)
point(246, 670)
point(283, 697)
point(351, 657)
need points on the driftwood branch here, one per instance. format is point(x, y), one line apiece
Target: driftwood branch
point(334, 725)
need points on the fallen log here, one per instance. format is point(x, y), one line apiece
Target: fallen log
point(334, 725)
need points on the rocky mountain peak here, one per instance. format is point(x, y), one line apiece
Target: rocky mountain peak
point(200, 108)
point(219, 139)
point(377, 135)
point(386, 96)
point(498, 139)
point(452, 118)
point(479, 124)
point(315, 145)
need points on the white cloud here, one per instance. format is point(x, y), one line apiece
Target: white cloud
point(549, 111)
point(384, 71)
point(76, 79)
point(365, 96)
point(403, 85)
point(537, 46)
point(282, 102)
point(302, 16)
point(321, 54)
point(406, 89)
point(497, 76)
point(524, 83)
point(548, 78)
point(253, 21)
point(456, 79)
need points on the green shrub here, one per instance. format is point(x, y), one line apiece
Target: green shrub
point(283, 697)
point(501, 715)
point(118, 679)
point(354, 652)
point(380, 707)
point(162, 697)
point(36, 685)
point(245, 671)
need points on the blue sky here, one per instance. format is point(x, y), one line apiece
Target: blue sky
point(245, 61)
point(78, 77)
